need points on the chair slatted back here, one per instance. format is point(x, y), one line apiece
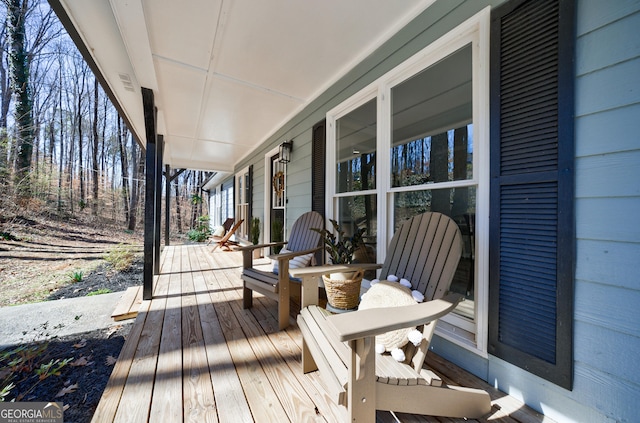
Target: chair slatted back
point(301, 237)
point(228, 224)
point(230, 233)
point(426, 251)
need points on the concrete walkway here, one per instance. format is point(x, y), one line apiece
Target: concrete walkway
point(23, 323)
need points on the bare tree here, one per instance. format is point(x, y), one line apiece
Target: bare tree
point(5, 100)
point(124, 166)
point(19, 81)
point(136, 185)
point(94, 156)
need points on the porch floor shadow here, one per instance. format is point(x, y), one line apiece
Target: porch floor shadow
point(194, 354)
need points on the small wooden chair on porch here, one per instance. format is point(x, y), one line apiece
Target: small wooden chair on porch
point(426, 251)
point(302, 244)
point(226, 242)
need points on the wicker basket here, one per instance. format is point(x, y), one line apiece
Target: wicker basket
point(343, 294)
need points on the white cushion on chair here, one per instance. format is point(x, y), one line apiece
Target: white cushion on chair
point(219, 231)
point(295, 263)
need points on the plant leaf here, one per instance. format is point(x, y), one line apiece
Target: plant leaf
point(82, 361)
point(110, 360)
point(112, 330)
point(68, 390)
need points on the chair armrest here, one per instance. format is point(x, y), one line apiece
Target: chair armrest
point(291, 254)
point(376, 321)
point(253, 247)
point(332, 268)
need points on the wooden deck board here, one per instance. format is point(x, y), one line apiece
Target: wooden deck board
point(289, 390)
point(168, 386)
point(128, 305)
point(231, 402)
point(198, 398)
point(194, 354)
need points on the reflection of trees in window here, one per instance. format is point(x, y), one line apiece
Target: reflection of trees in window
point(454, 202)
point(357, 212)
point(357, 174)
point(442, 157)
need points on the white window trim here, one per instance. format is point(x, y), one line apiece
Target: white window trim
point(475, 30)
point(267, 193)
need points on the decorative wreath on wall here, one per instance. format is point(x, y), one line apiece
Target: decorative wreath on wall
point(278, 183)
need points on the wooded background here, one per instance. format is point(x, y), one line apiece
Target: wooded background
point(64, 149)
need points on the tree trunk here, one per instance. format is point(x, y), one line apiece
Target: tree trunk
point(178, 214)
point(135, 194)
point(194, 204)
point(83, 199)
point(5, 100)
point(124, 166)
point(439, 169)
point(19, 79)
point(94, 167)
point(61, 158)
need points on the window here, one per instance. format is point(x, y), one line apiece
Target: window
point(416, 140)
point(356, 173)
point(243, 202)
point(356, 149)
point(432, 146)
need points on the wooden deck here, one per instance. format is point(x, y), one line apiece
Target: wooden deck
point(193, 354)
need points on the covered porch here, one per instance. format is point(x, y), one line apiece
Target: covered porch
point(194, 354)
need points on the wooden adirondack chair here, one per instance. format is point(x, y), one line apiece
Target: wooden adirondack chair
point(425, 250)
point(225, 242)
point(302, 242)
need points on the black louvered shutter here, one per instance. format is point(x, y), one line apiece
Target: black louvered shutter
point(250, 201)
point(318, 173)
point(532, 218)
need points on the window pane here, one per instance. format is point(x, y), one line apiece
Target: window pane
point(356, 149)
point(460, 205)
point(360, 212)
point(247, 194)
point(431, 120)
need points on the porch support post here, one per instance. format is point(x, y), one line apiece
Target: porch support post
point(158, 205)
point(167, 202)
point(150, 185)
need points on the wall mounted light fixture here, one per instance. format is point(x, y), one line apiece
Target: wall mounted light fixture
point(285, 151)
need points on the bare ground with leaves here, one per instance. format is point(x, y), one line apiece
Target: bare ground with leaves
point(39, 258)
point(79, 384)
point(52, 259)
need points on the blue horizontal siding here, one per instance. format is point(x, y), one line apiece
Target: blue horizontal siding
point(556, 403)
point(612, 353)
point(607, 371)
point(607, 263)
point(594, 14)
point(613, 308)
point(608, 131)
point(607, 292)
point(615, 399)
point(608, 88)
point(608, 45)
point(598, 174)
point(611, 219)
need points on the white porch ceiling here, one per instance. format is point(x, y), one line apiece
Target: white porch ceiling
point(227, 74)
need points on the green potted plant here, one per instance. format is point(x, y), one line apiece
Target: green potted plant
point(255, 236)
point(343, 289)
point(277, 234)
point(341, 248)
